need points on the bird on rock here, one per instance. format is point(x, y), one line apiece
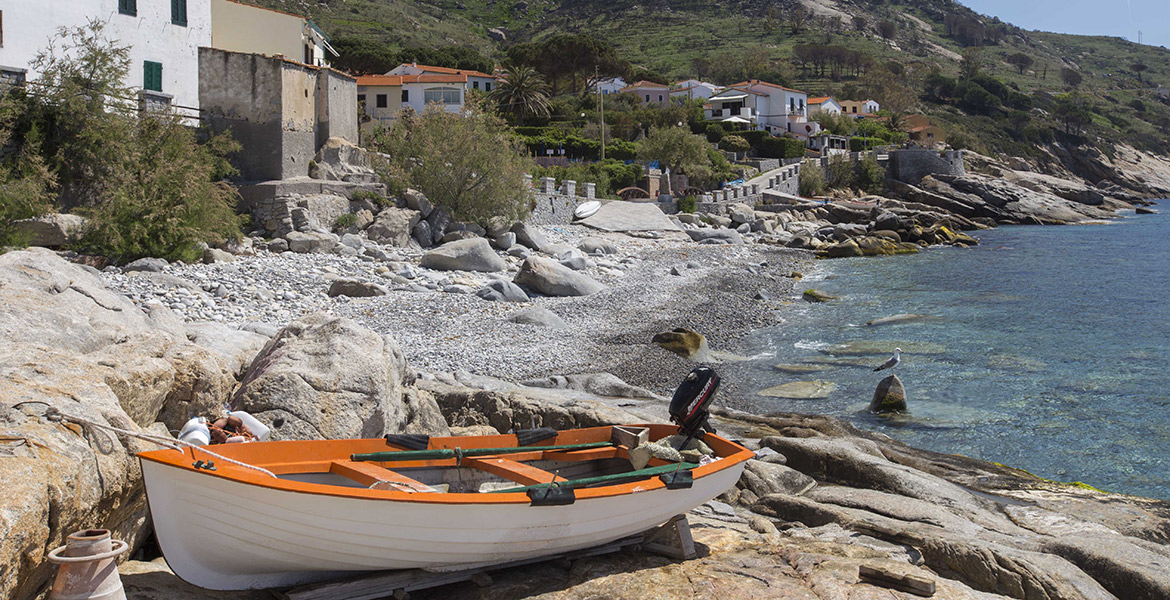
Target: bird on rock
point(893, 362)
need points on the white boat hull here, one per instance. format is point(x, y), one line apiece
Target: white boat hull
point(222, 534)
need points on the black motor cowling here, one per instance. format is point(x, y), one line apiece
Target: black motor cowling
point(692, 399)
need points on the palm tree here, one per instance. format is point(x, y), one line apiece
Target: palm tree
point(521, 92)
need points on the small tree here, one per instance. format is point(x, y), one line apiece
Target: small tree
point(1070, 77)
point(797, 18)
point(870, 175)
point(1073, 111)
point(1139, 67)
point(734, 143)
point(1020, 61)
point(971, 63)
point(887, 29)
point(839, 172)
point(468, 163)
point(679, 149)
point(812, 180)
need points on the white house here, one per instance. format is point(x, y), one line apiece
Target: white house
point(859, 108)
point(476, 80)
point(690, 89)
point(823, 104)
point(381, 97)
point(773, 108)
point(163, 36)
point(612, 85)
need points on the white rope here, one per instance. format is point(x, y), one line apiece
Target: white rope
point(174, 444)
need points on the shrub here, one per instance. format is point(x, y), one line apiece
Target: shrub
point(861, 144)
point(344, 221)
point(714, 132)
point(780, 147)
point(621, 150)
point(812, 180)
point(374, 197)
point(469, 163)
point(688, 204)
point(870, 176)
point(734, 143)
point(839, 172)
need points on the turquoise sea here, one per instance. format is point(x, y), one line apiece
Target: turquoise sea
point(1046, 349)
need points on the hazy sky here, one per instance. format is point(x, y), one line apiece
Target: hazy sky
point(1121, 18)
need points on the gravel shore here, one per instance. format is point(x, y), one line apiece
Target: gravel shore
point(714, 293)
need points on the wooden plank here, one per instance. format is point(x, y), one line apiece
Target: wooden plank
point(913, 584)
point(677, 532)
point(370, 475)
point(510, 469)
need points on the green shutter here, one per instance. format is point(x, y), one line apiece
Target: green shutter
point(128, 7)
point(179, 12)
point(152, 76)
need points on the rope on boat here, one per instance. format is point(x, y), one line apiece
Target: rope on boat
point(55, 415)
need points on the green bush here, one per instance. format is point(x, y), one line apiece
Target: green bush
point(714, 132)
point(753, 136)
point(374, 197)
point(861, 144)
point(839, 172)
point(344, 221)
point(780, 147)
point(812, 180)
point(621, 150)
point(688, 204)
point(870, 176)
point(734, 143)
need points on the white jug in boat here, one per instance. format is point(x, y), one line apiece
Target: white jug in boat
point(253, 424)
point(196, 432)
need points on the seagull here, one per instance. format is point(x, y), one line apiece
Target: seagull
point(893, 362)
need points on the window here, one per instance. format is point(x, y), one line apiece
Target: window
point(442, 96)
point(152, 76)
point(362, 101)
point(381, 101)
point(308, 54)
point(854, 110)
point(487, 86)
point(178, 12)
point(660, 97)
point(475, 84)
point(128, 7)
point(405, 96)
point(647, 97)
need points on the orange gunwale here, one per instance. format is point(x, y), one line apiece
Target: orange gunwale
point(319, 457)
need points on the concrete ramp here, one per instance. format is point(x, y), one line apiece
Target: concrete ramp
point(620, 216)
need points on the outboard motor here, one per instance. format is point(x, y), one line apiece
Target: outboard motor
point(691, 401)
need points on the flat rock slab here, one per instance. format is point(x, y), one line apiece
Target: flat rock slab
point(798, 369)
point(876, 348)
point(800, 390)
point(629, 216)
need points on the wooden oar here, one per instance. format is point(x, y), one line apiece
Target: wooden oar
point(439, 453)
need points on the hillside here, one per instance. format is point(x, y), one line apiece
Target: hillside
point(895, 46)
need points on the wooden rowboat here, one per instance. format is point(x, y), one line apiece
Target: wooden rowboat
point(316, 510)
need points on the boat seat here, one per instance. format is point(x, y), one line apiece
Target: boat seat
point(372, 475)
point(510, 469)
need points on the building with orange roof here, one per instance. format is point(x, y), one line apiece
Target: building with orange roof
point(476, 80)
point(859, 108)
point(762, 105)
point(649, 92)
point(923, 131)
point(381, 97)
point(823, 104)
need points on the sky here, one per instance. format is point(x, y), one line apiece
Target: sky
point(1121, 18)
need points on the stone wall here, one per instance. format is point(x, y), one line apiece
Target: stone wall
point(280, 111)
point(912, 164)
point(554, 204)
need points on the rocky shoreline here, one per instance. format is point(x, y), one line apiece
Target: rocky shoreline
point(349, 337)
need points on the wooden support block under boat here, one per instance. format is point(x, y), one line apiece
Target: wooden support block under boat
point(399, 584)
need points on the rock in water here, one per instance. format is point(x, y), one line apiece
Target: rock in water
point(890, 396)
point(812, 295)
point(685, 343)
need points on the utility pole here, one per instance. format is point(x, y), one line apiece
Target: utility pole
point(601, 103)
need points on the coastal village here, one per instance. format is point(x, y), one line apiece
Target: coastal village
point(213, 233)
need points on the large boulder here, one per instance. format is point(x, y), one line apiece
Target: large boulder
point(549, 277)
point(719, 236)
point(324, 377)
point(890, 396)
point(500, 290)
point(688, 344)
point(341, 160)
point(310, 241)
point(73, 345)
point(393, 226)
point(472, 254)
point(416, 200)
point(530, 237)
point(355, 288)
point(52, 230)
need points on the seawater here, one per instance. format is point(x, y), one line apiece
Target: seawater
point(1047, 349)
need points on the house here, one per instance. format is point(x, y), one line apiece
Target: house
point(858, 108)
point(649, 92)
point(476, 80)
point(689, 89)
point(240, 27)
point(613, 85)
point(923, 132)
point(163, 37)
point(829, 144)
point(823, 104)
point(281, 111)
point(767, 106)
point(381, 97)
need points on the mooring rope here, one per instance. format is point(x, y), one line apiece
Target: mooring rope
point(175, 444)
